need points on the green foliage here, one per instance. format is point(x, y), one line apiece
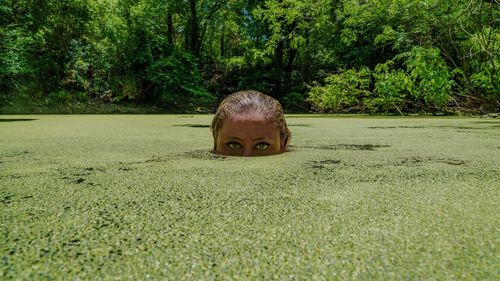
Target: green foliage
point(343, 89)
point(176, 80)
point(486, 66)
point(429, 75)
point(89, 69)
point(288, 21)
point(391, 88)
point(294, 102)
point(15, 52)
point(15, 55)
point(113, 50)
point(396, 39)
point(65, 98)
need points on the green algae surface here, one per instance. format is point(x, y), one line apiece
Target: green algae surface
point(130, 197)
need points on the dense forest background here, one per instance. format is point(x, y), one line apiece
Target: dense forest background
point(322, 55)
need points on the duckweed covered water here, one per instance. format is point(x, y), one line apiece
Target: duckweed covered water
point(141, 197)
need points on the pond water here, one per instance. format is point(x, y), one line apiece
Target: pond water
point(132, 196)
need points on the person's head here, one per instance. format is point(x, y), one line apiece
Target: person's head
point(249, 123)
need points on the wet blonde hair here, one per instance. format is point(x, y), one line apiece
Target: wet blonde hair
point(251, 102)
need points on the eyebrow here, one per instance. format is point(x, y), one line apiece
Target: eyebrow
point(239, 139)
point(233, 138)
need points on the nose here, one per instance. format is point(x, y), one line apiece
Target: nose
point(247, 152)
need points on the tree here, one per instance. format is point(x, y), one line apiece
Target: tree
point(421, 55)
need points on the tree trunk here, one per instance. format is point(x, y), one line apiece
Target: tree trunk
point(194, 44)
point(222, 45)
point(170, 29)
point(278, 55)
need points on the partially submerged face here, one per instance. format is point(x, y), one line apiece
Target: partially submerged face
point(249, 135)
point(249, 123)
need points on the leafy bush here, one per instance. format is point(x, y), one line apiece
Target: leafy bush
point(15, 67)
point(343, 89)
point(65, 98)
point(177, 81)
point(89, 69)
point(391, 88)
point(429, 75)
point(294, 102)
point(484, 60)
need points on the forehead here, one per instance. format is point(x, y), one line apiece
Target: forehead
point(248, 127)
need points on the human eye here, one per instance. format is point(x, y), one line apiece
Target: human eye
point(233, 145)
point(262, 146)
